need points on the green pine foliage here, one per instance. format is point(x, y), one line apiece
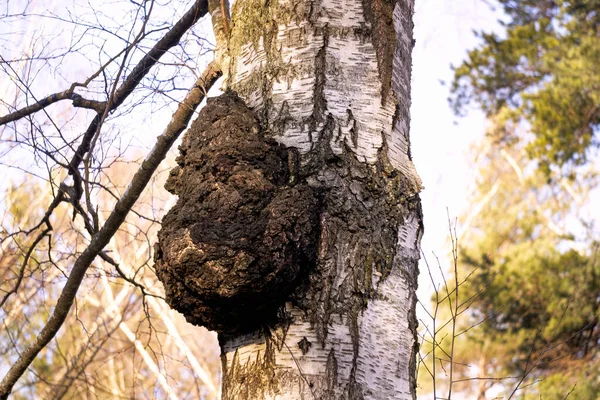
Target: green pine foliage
point(545, 70)
point(529, 262)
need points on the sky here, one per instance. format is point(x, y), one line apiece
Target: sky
point(440, 141)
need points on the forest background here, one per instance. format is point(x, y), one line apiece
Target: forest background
point(509, 173)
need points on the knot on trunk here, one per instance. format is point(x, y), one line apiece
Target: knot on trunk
point(240, 238)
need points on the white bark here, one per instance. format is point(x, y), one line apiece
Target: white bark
point(351, 84)
point(332, 79)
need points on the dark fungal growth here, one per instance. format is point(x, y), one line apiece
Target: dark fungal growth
point(241, 238)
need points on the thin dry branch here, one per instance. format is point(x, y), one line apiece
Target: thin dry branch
point(21, 273)
point(86, 162)
point(547, 347)
point(169, 40)
point(178, 123)
point(69, 94)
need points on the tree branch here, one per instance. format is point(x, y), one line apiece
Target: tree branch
point(68, 94)
point(219, 12)
point(171, 38)
point(178, 123)
point(21, 272)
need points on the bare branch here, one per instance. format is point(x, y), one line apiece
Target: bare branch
point(68, 94)
point(178, 123)
point(24, 266)
point(171, 39)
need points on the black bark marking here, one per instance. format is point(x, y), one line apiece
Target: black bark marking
point(319, 101)
point(354, 129)
point(354, 388)
point(331, 374)
point(304, 345)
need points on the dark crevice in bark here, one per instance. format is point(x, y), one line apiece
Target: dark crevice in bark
point(354, 388)
point(319, 101)
point(280, 122)
point(379, 13)
point(354, 129)
point(402, 69)
point(321, 152)
point(331, 375)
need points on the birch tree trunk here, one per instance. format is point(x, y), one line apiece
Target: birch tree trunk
point(331, 78)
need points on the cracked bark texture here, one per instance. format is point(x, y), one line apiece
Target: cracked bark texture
point(240, 238)
point(331, 78)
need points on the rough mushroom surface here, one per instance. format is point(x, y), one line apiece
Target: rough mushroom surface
point(241, 237)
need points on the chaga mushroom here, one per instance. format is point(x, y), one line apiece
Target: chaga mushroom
point(240, 238)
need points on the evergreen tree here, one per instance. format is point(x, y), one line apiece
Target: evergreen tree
point(543, 72)
point(530, 253)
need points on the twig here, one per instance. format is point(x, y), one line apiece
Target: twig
point(170, 39)
point(179, 121)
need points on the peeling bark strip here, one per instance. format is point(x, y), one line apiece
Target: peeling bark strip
point(331, 78)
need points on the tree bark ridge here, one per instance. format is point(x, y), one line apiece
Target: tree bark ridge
point(323, 82)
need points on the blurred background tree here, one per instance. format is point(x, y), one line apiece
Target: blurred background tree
point(528, 268)
point(542, 74)
point(71, 77)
